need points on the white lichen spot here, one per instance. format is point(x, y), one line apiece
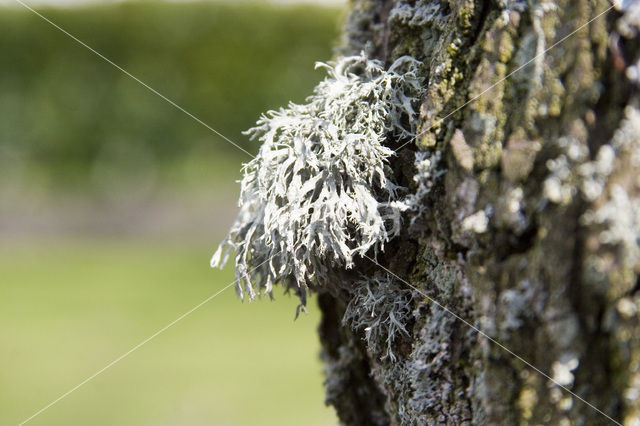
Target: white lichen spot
point(477, 222)
point(590, 177)
point(627, 308)
point(556, 191)
point(632, 393)
point(562, 370)
point(560, 398)
point(555, 395)
point(509, 210)
point(574, 149)
point(629, 24)
point(317, 194)
point(517, 304)
point(564, 421)
point(632, 72)
point(565, 404)
point(416, 15)
point(595, 174)
point(557, 188)
point(427, 173)
point(626, 137)
point(620, 216)
point(514, 200)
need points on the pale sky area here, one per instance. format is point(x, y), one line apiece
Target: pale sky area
point(66, 3)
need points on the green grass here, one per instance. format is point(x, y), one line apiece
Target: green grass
point(70, 122)
point(69, 307)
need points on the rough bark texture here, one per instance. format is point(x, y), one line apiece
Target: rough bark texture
point(531, 234)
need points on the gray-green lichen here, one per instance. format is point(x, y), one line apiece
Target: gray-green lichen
point(319, 192)
point(381, 307)
point(428, 171)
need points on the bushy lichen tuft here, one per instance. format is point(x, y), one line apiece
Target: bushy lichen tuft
point(318, 192)
point(383, 310)
point(428, 171)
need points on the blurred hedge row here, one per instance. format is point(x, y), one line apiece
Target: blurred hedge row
point(70, 115)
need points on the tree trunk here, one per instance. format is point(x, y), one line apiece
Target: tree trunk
point(532, 234)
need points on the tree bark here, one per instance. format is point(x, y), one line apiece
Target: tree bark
point(532, 233)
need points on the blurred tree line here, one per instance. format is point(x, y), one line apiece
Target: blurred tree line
point(75, 120)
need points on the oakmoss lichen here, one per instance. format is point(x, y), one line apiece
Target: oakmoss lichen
point(318, 192)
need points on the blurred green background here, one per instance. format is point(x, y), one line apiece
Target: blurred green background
point(112, 201)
